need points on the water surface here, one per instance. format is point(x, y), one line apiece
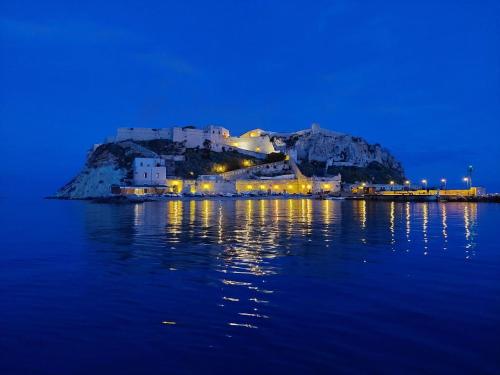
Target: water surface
point(249, 286)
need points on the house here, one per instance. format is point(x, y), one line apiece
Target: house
point(149, 171)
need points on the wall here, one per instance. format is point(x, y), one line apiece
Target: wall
point(256, 144)
point(274, 186)
point(142, 134)
point(149, 171)
point(280, 166)
point(326, 184)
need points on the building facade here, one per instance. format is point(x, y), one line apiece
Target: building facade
point(149, 171)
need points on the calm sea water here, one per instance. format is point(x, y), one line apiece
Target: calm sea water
point(249, 286)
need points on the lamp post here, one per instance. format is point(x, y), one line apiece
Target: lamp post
point(467, 182)
point(443, 183)
point(392, 185)
point(424, 183)
point(408, 184)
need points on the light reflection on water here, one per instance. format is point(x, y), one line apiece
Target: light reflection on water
point(240, 239)
point(275, 285)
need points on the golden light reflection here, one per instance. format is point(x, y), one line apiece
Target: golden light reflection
point(363, 213)
point(408, 222)
point(444, 224)
point(392, 222)
point(425, 225)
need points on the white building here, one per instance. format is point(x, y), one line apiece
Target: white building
point(149, 171)
point(219, 138)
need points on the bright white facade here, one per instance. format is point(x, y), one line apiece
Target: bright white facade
point(219, 138)
point(149, 171)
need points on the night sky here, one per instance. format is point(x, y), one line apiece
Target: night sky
point(422, 78)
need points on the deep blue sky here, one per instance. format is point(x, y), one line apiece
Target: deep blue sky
point(422, 78)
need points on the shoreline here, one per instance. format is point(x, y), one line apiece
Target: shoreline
point(120, 199)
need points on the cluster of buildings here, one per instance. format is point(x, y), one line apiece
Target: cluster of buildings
point(150, 174)
point(284, 177)
point(216, 137)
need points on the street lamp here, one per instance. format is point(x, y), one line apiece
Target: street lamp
point(424, 182)
point(443, 182)
point(392, 185)
point(466, 180)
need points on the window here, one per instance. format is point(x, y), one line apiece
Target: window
point(142, 163)
point(145, 174)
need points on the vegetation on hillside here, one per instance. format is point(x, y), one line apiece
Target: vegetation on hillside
point(204, 161)
point(374, 173)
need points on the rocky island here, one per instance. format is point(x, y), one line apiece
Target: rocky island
point(190, 160)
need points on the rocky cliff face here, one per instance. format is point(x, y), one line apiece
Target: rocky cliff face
point(336, 149)
point(109, 164)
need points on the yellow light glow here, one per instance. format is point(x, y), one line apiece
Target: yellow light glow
point(257, 149)
point(363, 184)
point(247, 163)
point(327, 186)
point(252, 134)
point(206, 186)
point(303, 186)
point(263, 187)
point(290, 186)
point(249, 187)
point(309, 186)
point(276, 186)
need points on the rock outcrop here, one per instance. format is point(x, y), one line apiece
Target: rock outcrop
point(336, 149)
point(318, 152)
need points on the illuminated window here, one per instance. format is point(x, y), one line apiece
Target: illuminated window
point(206, 186)
point(263, 187)
point(257, 149)
point(276, 186)
point(249, 187)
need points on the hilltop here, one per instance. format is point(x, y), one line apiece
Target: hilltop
point(318, 152)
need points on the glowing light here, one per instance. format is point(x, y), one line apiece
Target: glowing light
point(424, 181)
point(443, 180)
point(276, 186)
point(290, 186)
point(326, 186)
point(466, 179)
point(309, 186)
point(263, 187)
point(392, 182)
point(249, 187)
point(257, 149)
point(206, 186)
point(407, 182)
point(363, 184)
point(247, 163)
